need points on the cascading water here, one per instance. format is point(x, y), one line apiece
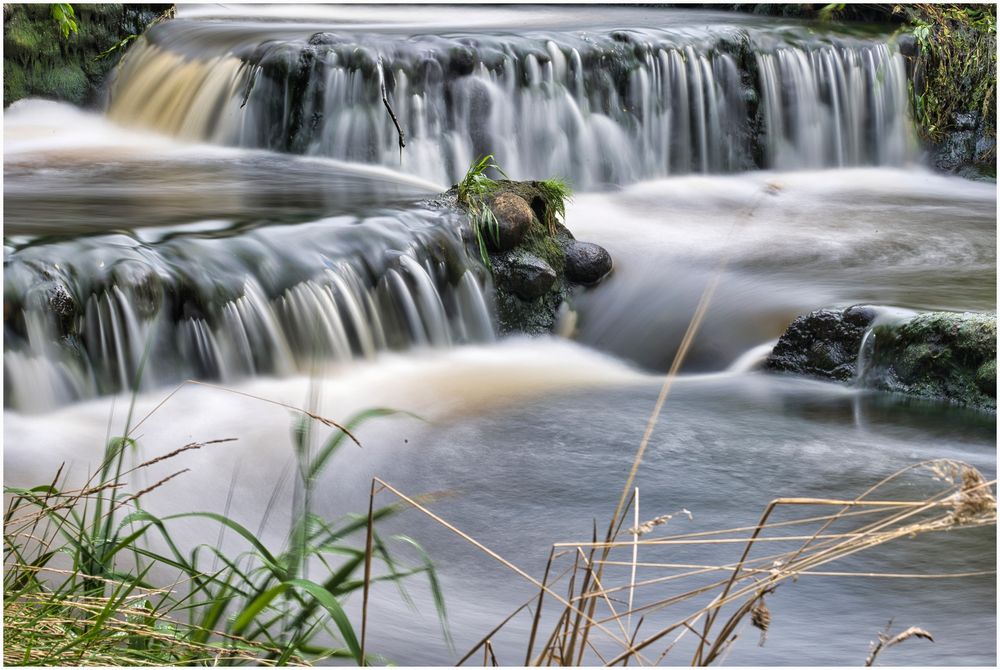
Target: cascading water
point(114, 312)
point(595, 107)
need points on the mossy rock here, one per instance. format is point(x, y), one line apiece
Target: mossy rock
point(543, 243)
point(939, 355)
point(942, 355)
point(537, 316)
point(986, 378)
point(67, 82)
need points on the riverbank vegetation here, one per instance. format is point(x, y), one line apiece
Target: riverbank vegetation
point(55, 51)
point(91, 577)
point(955, 67)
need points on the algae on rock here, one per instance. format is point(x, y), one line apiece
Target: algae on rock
point(938, 355)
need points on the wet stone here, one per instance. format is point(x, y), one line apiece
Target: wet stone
point(823, 344)
point(527, 275)
point(586, 262)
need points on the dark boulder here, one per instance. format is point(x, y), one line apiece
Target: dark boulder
point(514, 216)
point(527, 275)
point(823, 344)
point(586, 262)
point(461, 61)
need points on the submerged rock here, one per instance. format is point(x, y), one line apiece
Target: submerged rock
point(586, 262)
point(933, 355)
point(823, 344)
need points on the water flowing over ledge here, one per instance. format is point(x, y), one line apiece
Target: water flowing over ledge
point(597, 107)
point(102, 314)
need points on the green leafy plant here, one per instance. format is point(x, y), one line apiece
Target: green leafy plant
point(65, 18)
point(473, 192)
point(828, 12)
point(79, 586)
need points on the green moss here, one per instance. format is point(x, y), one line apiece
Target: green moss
point(39, 60)
point(67, 82)
point(986, 378)
point(14, 85)
point(27, 39)
point(940, 354)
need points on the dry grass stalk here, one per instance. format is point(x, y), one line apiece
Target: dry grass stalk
point(28, 615)
point(884, 641)
point(641, 529)
point(503, 561)
point(588, 602)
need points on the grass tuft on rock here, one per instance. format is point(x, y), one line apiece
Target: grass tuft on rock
point(556, 193)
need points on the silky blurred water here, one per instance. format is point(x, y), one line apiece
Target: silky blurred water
point(245, 264)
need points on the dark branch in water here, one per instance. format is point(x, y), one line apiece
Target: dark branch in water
point(388, 108)
point(250, 83)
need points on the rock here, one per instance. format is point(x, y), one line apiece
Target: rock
point(938, 355)
point(933, 355)
point(461, 61)
point(54, 298)
point(527, 275)
point(823, 344)
point(529, 265)
point(587, 263)
point(907, 44)
point(967, 148)
point(142, 286)
point(966, 121)
point(325, 39)
point(514, 218)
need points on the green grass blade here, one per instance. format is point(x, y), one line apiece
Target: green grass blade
point(330, 604)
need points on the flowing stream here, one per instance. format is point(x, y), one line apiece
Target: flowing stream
point(240, 213)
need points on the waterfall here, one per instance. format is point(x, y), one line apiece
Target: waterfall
point(270, 301)
point(595, 108)
point(834, 106)
point(232, 291)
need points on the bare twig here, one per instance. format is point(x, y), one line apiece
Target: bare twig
point(388, 108)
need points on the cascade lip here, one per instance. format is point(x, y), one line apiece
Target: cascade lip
point(213, 27)
point(468, 17)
